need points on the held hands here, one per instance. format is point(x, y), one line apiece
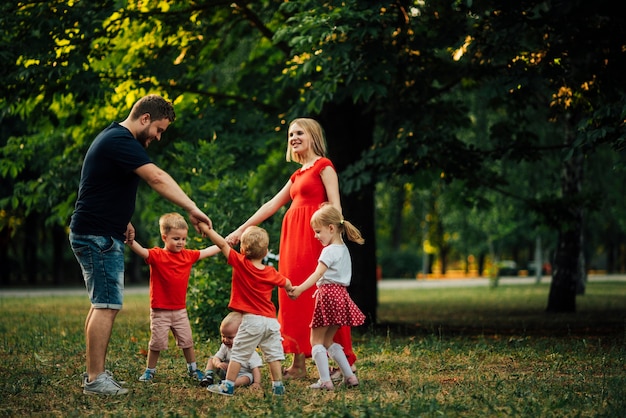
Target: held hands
point(196, 216)
point(233, 238)
point(203, 228)
point(129, 235)
point(294, 292)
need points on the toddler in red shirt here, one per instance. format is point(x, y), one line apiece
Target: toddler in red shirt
point(251, 294)
point(170, 267)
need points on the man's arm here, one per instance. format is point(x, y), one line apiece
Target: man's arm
point(167, 187)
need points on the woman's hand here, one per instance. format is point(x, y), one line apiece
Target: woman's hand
point(233, 238)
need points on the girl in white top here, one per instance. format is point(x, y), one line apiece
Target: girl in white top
point(333, 305)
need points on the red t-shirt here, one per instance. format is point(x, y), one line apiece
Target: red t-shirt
point(169, 277)
point(252, 288)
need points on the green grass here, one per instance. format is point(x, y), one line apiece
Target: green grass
point(435, 352)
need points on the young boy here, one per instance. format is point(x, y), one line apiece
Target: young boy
point(250, 372)
point(170, 267)
point(251, 294)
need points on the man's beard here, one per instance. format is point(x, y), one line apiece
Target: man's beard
point(143, 137)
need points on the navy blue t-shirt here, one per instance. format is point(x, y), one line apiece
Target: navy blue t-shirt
point(108, 184)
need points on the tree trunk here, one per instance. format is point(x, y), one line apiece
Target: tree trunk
point(568, 272)
point(349, 131)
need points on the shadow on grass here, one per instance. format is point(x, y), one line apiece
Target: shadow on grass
point(559, 328)
point(519, 311)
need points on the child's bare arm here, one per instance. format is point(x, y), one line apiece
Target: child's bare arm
point(209, 252)
point(256, 377)
point(313, 278)
point(215, 237)
point(138, 249)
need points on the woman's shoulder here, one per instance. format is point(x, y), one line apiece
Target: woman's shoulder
point(322, 163)
point(317, 166)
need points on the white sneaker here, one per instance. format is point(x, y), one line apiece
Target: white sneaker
point(103, 385)
point(222, 388)
point(85, 377)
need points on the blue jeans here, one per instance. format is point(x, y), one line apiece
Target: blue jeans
point(101, 260)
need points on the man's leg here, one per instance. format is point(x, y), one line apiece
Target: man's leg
point(98, 329)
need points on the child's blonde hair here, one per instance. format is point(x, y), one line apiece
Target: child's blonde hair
point(327, 214)
point(254, 242)
point(171, 221)
point(233, 318)
point(318, 140)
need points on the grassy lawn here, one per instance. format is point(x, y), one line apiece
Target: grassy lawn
point(436, 352)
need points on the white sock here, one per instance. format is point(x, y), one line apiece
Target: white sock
point(335, 351)
point(319, 354)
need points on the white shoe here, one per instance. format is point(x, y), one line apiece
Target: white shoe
point(103, 385)
point(323, 385)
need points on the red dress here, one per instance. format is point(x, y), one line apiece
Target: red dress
point(299, 253)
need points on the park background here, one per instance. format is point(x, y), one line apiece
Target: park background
point(467, 134)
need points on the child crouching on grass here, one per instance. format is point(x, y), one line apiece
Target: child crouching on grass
point(250, 372)
point(251, 294)
point(333, 305)
point(170, 267)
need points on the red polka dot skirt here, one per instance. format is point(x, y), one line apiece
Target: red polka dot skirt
point(333, 306)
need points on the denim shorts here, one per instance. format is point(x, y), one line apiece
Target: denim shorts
point(101, 260)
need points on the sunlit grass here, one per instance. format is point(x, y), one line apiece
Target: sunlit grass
point(436, 352)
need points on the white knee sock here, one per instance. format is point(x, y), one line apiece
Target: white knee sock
point(335, 351)
point(319, 354)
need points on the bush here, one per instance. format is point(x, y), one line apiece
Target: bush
point(208, 296)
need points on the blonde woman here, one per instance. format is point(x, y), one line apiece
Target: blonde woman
point(314, 183)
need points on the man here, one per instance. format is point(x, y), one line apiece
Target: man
point(100, 225)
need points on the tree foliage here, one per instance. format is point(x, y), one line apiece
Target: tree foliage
point(469, 102)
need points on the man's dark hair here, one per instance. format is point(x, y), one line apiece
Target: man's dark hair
point(156, 106)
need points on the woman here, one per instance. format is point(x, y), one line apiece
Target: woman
point(314, 183)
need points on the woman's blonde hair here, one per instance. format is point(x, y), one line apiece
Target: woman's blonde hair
point(254, 242)
point(171, 221)
point(327, 214)
point(318, 139)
